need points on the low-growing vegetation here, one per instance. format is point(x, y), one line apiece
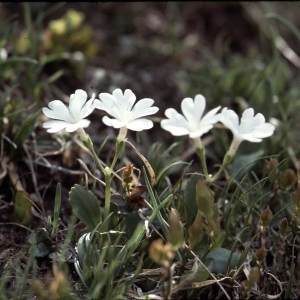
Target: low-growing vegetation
point(149, 157)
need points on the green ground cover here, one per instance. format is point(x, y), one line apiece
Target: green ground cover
point(108, 194)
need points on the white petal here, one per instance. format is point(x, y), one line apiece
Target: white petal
point(176, 118)
point(72, 127)
point(267, 128)
point(212, 113)
point(248, 113)
point(84, 123)
point(192, 113)
point(250, 137)
point(81, 124)
point(174, 127)
point(57, 110)
point(211, 117)
point(142, 108)
point(118, 94)
point(140, 124)
point(124, 104)
point(109, 104)
point(199, 107)
point(201, 131)
point(129, 99)
point(55, 125)
point(76, 103)
point(107, 101)
point(248, 121)
point(258, 120)
point(112, 122)
point(230, 119)
point(88, 107)
point(264, 130)
point(99, 104)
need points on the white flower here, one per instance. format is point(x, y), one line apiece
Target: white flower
point(125, 115)
point(251, 128)
point(192, 123)
point(72, 118)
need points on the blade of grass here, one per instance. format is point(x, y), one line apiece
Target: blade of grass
point(288, 291)
point(57, 205)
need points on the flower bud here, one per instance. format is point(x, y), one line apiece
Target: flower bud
point(176, 233)
point(161, 253)
point(205, 200)
point(266, 217)
point(283, 228)
point(287, 180)
point(59, 286)
point(253, 278)
point(127, 176)
point(260, 255)
point(38, 288)
point(270, 166)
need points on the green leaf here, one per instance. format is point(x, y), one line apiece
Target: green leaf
point(285, 22)
point(243, 164)
point(201, 273)
point(163, 173)
point(176, 232)
point(20, 59)
point(23, 132)
point(221, 258)
point(200, 248)
point(85, 205)
point(289, 288)
point(218, 239)
point(195, 232)
point(191, 207)
point(245, 252)
point(52, 78)
point(215, 211)
point(22, 208)
point(205, 200)
point(40, 243)
point(57, 204)
point(3, 103)
point(119, 206)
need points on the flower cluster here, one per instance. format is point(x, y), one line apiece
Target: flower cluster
point(118, 105)
point(193, 123)
point(126, 115)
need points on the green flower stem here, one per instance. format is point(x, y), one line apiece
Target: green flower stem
point(119, 146)
point(89, 144)
point(201, 153)
point(107, 174)
point(106, 171)
point(83, 136)
point(200, 150)
point(226, 161)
